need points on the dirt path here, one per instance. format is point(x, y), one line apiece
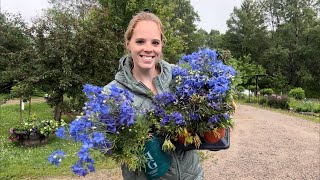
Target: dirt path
point(17, 101)
point(264, 145)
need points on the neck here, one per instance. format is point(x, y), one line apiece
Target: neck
point(146, 77)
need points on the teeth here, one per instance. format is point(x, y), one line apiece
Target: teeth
point(146, 58)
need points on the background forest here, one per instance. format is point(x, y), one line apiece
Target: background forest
point(275, 43)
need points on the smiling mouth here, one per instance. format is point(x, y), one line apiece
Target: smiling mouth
point(147, 57)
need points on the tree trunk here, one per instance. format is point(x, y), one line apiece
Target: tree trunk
point(58, 106)
point(57, 113)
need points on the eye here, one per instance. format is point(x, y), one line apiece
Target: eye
point(139, 41)
point(155, 43)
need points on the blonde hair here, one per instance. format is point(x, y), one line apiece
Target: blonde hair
point(143, 16)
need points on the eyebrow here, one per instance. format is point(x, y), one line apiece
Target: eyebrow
point(144, 39)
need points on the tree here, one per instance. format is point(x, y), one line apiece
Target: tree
point(13, 44)
point(198, 40)
point(75, 46)
point(247, 33)
point(215, 39)
point(293, 23)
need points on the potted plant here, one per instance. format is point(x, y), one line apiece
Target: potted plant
point(199, 108)
point(34, 131)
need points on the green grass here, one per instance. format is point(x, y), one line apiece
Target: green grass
point(18, 162)
point(302, 116)
point(2, 96)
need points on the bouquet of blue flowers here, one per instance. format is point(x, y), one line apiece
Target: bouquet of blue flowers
point(109, 124)
point(200, 101)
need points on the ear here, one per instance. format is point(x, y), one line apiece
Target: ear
point(127, 46)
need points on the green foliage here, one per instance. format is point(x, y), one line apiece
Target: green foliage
point(316, 108)
point(4, 98)
point(18, 162)
point(247, 33)
point(305, 105)
point(240, 88)
point(297, 93)
point(74, 49)
point(215, 40)
point(288, 51)
point(129, 147)
point(35, 124)
point(263, 101)
point(252, 88)
point(276, 101)
point(247, 69)
point(267, 91)
point(15, 51)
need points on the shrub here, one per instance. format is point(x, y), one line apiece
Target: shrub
point(267, 91)
point(278, 101)
point(297, 93)
point(316, 108)
point(263, 101)
point(240, 88)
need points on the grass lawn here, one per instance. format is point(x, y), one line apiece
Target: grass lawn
point(18, 162)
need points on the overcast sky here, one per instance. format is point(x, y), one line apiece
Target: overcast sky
point(213, 13)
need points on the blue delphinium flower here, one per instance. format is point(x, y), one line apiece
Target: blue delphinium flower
point(104, 114)
point(178, 118)
point(56, 157)
point(60, 133)
point(175, 118)
point(79, 169)
point(201, 86)
point(214, 118)
point(164, 99)
point(126, 114)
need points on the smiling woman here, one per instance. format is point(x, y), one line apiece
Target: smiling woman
point(144, 40)
point(143, 72)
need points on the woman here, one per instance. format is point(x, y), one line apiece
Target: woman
point(144, 74)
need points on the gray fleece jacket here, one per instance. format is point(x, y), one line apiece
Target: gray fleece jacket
point(185, 164)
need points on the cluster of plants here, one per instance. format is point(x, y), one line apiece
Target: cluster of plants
point(20, 162)
point(295, 101)
point(109, 124)
point(305, 105)
point(266, 91)
point(200, 100)
point(297, 93)
point(275, 101)
point(34, 126)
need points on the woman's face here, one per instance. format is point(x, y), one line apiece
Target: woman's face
point(145, 45)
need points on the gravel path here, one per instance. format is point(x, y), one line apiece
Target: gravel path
point(267, 145)
point(264, 145)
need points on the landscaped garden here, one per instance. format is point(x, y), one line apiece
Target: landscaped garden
point(19, 162)
point(294, 103)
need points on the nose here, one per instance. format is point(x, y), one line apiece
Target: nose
point(148, 47)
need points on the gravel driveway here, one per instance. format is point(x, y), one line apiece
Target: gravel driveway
point(264, 145)
point(267, 145)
